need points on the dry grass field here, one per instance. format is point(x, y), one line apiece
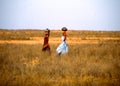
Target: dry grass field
point(93, 59)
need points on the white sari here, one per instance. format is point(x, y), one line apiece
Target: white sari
point(63, 47)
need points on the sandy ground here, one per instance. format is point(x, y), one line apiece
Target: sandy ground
point(57, 40)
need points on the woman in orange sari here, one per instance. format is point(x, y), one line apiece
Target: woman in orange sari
point(46, 46)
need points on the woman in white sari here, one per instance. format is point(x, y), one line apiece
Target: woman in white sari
point(63, 47)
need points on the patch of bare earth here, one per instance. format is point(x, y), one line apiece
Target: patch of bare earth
point(57, 40)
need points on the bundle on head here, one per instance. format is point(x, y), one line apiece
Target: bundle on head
point(47, 31)
point(64, 29)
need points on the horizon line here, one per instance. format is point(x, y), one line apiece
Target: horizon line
point(58, 29)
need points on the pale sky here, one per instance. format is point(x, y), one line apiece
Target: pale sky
point(55, 14)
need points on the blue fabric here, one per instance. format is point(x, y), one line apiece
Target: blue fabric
point(63, 47)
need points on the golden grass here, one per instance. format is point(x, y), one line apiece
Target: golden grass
point(27, 34)
point(86, 64)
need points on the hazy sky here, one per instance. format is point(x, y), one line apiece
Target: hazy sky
point(55, 14)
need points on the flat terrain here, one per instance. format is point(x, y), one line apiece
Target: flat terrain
point(56, 40)
point(93, 59)
point(36, 37)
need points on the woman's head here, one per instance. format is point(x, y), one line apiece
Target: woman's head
point(64, 33)
point(47, 31)
point(64, 29)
